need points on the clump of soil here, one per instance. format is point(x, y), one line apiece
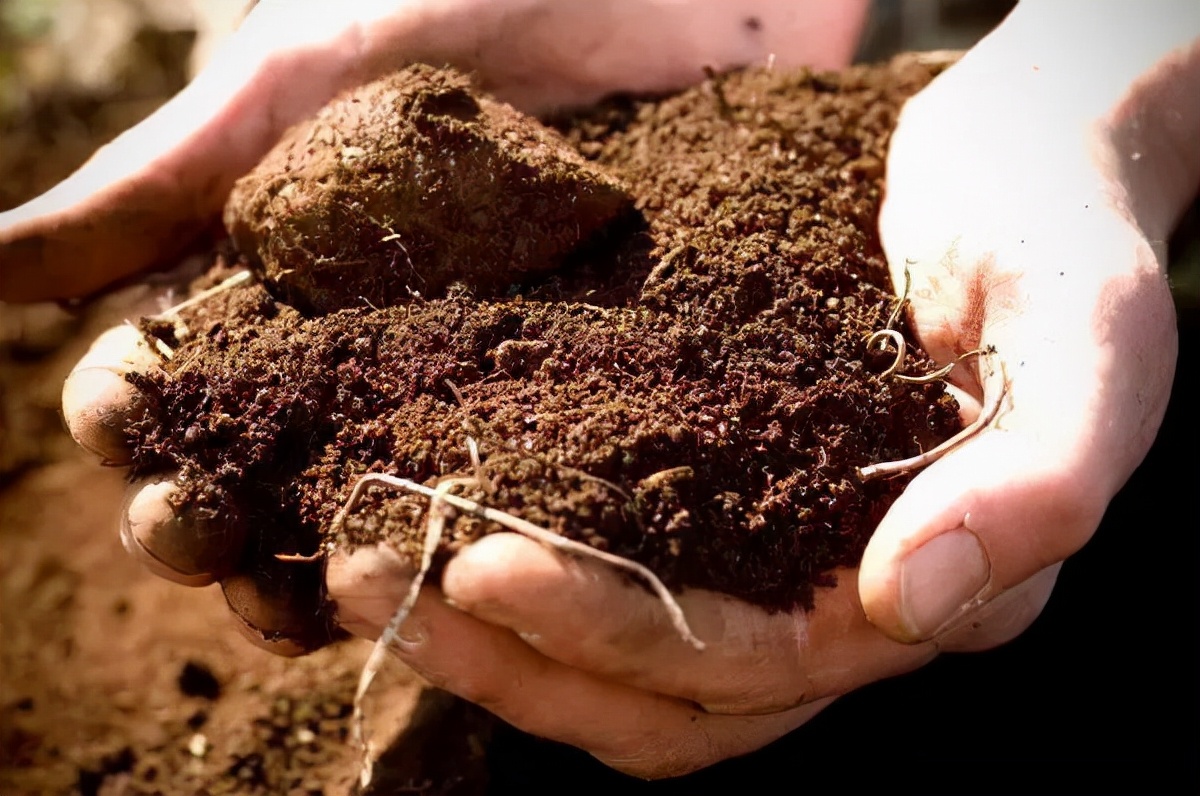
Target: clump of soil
point(690, 388)
point(409, 184)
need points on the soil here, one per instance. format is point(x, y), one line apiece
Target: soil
point(113, 681)
point(409, 184)
point(689, 388)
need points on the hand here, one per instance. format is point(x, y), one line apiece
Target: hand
point(1030, 227)
point(1031, 190)
point(140, 196)
point(153, 189)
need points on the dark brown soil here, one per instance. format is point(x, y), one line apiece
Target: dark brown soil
point(690, 389)
point(409, 184)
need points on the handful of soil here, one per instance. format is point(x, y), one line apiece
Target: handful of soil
point(646, 333)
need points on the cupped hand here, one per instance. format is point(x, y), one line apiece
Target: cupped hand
point(1028, 214)
point(143, 197)
point(1030, 193)
point(561, 647)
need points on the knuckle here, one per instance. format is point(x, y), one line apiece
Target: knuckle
point(1072, 510)
point(655, 756)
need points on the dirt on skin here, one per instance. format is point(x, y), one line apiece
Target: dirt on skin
point(689, 389)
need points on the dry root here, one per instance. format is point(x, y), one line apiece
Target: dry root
point(442, 504)
point(990, 409)
point(888, 335)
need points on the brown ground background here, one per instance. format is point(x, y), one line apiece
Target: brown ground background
point(113, 682)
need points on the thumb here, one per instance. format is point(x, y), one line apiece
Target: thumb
point(974, 524)
point(1081, 401)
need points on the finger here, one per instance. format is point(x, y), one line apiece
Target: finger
point(1086, 395)
point(635, 731)
point(98, 401)
point(366, 586)
point(176, 538)
point(1071, 296)
point(1003, 618)
point(589, 617)
point(279, 606)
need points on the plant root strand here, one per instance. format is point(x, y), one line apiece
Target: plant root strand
point(441, 503)
point(901, 347)
point(435, 525)
point(920, 461)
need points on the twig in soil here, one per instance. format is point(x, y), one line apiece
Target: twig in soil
point(920, 461)
point(172, 313)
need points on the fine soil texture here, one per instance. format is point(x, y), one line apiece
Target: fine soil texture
point(648, 336)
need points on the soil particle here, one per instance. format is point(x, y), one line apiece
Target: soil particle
point(689, 388)
point(197, 680)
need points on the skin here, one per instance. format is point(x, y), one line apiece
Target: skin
point(1030, 189)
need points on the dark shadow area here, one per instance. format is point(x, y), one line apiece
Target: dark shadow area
point(441, 751)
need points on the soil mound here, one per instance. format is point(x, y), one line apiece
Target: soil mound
point(411, 183)
point(688, 386)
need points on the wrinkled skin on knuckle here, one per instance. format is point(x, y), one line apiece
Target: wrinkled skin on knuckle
point(756, 687)
point(652, 756)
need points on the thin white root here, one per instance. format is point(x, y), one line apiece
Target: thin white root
point(896, 310)
point(986, 416)
point(902, 353)
point(435, 525)
point(172, 313)
point(440, 498)
point(535, 532)
point(889, 334)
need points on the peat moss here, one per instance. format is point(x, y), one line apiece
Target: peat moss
point(689, 388)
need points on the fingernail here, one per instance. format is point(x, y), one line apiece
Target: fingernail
point(940, 580)
point(411, 636)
